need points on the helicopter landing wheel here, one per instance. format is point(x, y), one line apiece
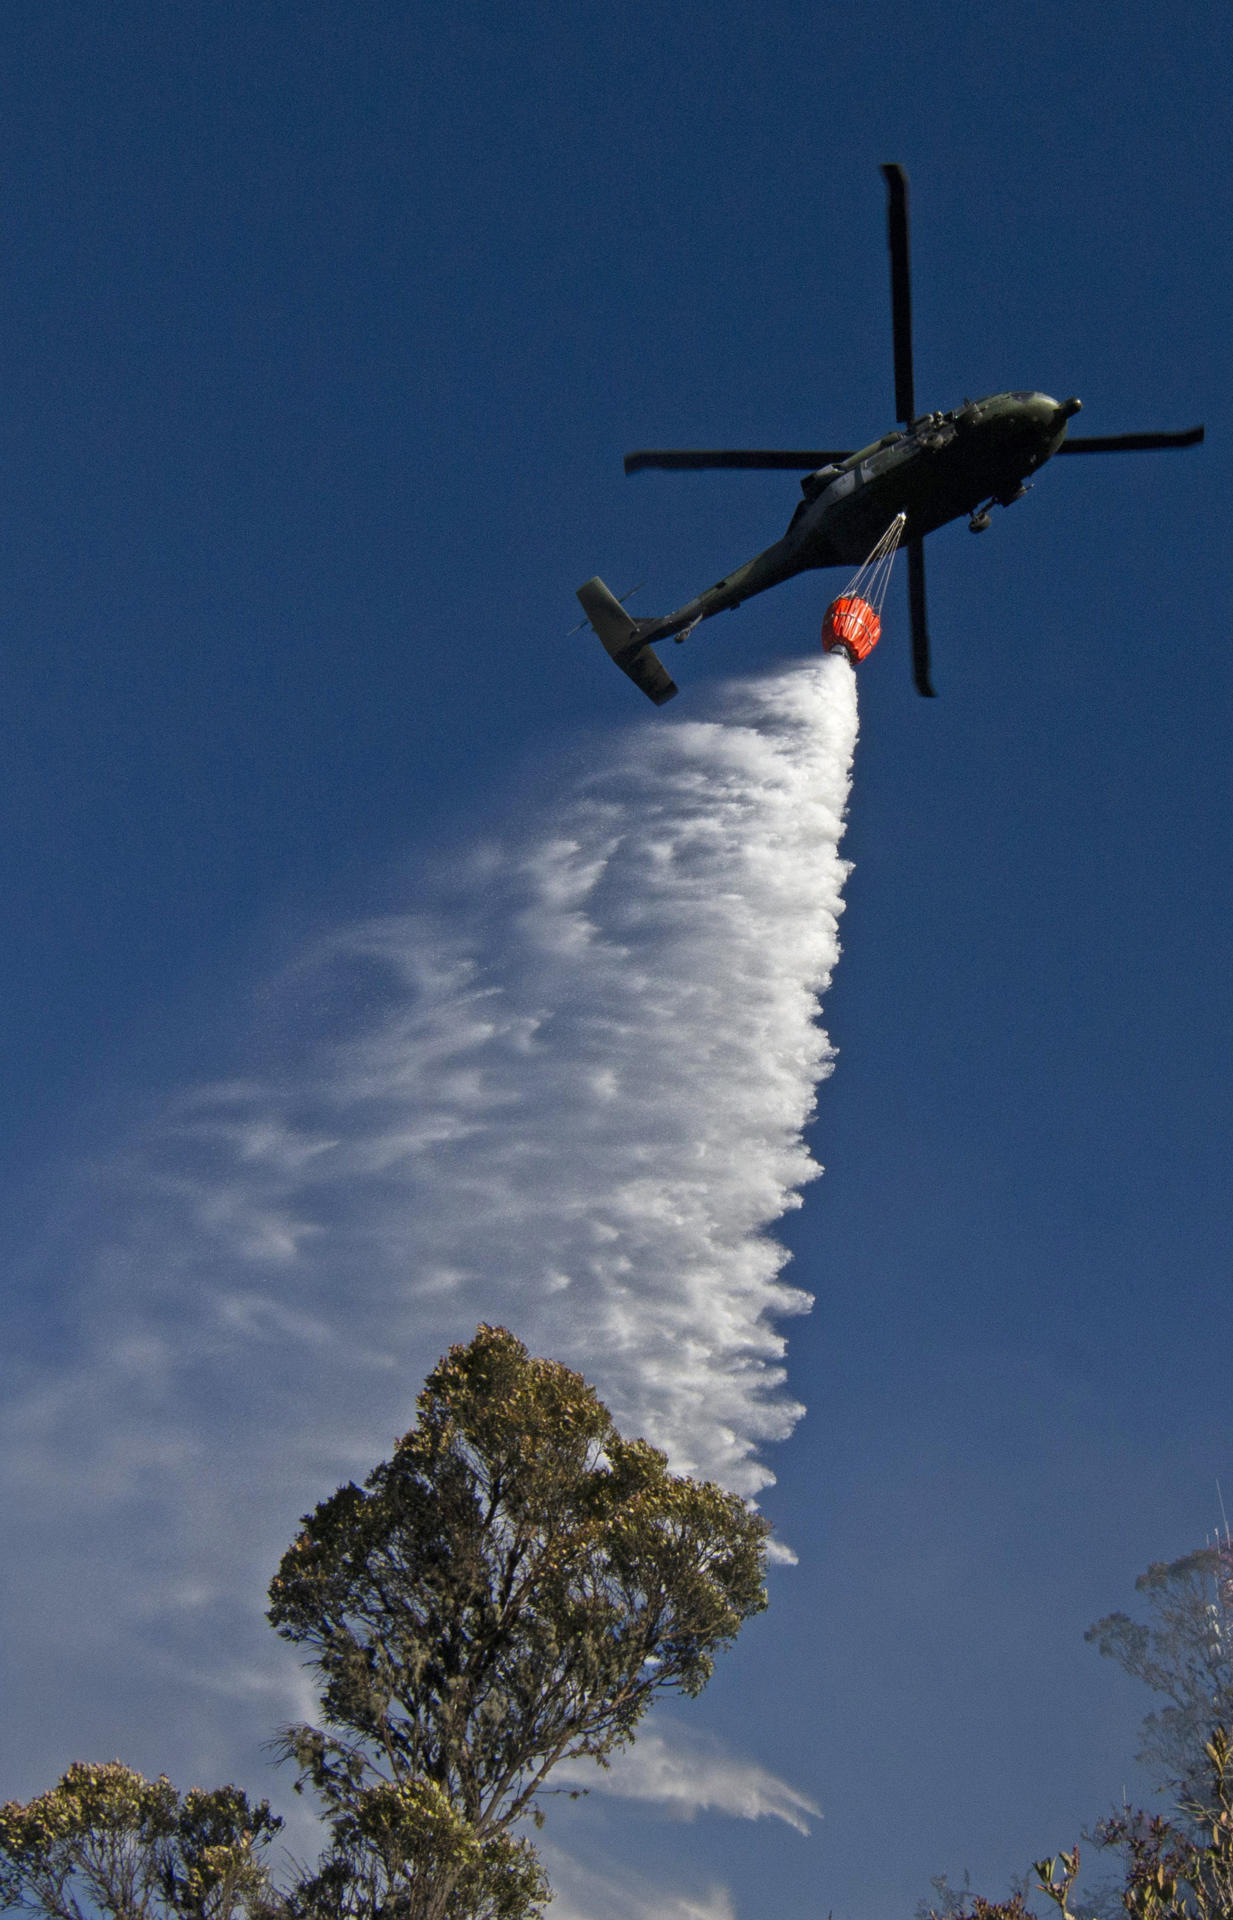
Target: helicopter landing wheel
point(979, 523)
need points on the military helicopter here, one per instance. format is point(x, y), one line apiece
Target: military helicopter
point(933, 468)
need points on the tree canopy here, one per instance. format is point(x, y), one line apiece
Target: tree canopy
point(1176, 1867)
point(104, 1840)
point(1185, 1652)
point(1173, 1870)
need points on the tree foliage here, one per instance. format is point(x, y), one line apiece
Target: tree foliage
point(106, 1841)
point(400, 1848)
point(1185, 1653)
point(1181, 1867)
point(1181, 1871)
point(1174, 1870)
point(509, 1591)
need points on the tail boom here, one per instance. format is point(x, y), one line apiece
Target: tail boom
point(630, 641)
point(623, 639)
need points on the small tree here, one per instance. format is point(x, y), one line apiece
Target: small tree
point(1181, 1871)
point(509, 1591)
point(106, 1841)
point(1172, 1871)
point(1181, 1867)
point(1186, 1653)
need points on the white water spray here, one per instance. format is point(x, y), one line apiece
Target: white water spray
point(565, 1092)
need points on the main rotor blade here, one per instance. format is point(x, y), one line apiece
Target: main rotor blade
point(901, 289)
point(916, 611)
point(692, 458)
point(1131, 442)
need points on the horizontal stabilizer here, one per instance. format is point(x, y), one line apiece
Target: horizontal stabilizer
point(619, 634)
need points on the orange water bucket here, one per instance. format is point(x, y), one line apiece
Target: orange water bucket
point(850, 626)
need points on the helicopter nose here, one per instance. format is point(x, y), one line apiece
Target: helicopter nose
point(1067, 409)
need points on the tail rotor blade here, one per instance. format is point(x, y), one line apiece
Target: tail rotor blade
point(901, 289)
point(916, 611)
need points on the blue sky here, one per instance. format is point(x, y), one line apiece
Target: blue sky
point(324, 330)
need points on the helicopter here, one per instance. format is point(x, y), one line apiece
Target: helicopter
point(932, 468)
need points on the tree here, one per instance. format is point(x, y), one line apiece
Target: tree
point(1185, 1654)
point(106, 1841)
point(1172, 1871)
point(1181, 1867)
point(1181, 1871)
point(509, 1591)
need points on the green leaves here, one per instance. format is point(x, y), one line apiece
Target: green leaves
point(106, 1840)
point(1173, 1870)
point(403, 1845)
point(1181, 1871)
point(1056, 1877)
